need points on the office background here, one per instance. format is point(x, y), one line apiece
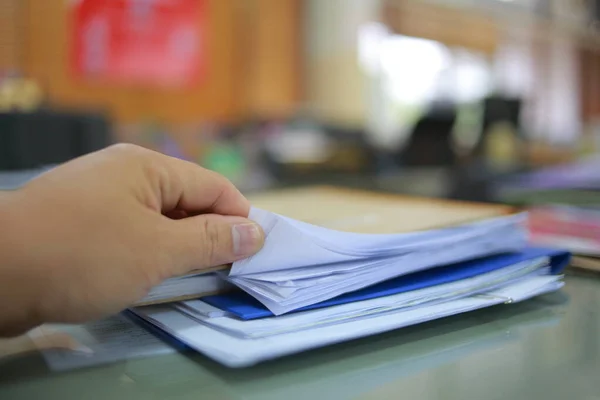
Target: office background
point(445, 94)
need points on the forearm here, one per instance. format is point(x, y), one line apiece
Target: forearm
point(18, 296)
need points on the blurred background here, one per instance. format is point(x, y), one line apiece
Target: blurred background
point(434, 98)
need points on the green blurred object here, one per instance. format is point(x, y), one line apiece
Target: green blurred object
point(225, 158)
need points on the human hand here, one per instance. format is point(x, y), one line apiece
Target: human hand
point(92, 236)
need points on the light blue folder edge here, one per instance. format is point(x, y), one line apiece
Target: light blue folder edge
point(247, 307)
point(159, 333)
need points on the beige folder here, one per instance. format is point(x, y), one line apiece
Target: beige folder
point(372, 212)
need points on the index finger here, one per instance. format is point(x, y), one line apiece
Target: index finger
point(186, 186)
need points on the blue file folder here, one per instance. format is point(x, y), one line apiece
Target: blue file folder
point(246, 307)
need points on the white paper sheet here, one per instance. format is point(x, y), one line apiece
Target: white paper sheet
point(187, 286)
point(302, 264)
point(237, 352)
point(264, 327)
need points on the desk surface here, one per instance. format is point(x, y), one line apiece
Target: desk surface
point(546, 348)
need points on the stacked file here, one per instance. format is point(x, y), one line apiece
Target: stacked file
point(563, 206)
point(311, 286)
point(303, 264)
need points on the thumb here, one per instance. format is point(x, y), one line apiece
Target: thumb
point(210, 240)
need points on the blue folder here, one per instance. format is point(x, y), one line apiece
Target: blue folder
point(247, 307)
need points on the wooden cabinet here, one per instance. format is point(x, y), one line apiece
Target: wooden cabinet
point(10, 34)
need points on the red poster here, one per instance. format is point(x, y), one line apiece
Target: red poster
point(157, 42)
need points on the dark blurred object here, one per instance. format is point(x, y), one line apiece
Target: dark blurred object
point(41, 138)
point(353, 152)
point(499, 110)
point(308, 150)
point(473, 181)
point(502, 109)
point(430, 143)
point(595, 10)
point(500, 151)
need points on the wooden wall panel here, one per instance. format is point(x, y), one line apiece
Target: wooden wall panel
point(253, 65)
point(47, 58)
point(272, 77)
point(10, 34)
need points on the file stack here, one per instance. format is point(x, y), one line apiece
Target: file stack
point(311, 286)
point(563, 205)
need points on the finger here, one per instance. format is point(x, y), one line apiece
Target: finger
point(211, 240)
point(187, 186)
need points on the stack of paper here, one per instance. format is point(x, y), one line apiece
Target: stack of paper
point(303, 264)
point(311, 286)
point(563, 207)
point(237, 342)
point(367, 212)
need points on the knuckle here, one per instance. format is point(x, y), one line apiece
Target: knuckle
point(134, 155)
point(128, 150)
point(124, 148)
point(211, 243)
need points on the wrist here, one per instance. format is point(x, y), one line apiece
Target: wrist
point(19, 306)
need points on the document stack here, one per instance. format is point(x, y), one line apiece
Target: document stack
point(563, 204)
point(312, 286)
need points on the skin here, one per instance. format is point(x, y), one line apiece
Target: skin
point(92, 236)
